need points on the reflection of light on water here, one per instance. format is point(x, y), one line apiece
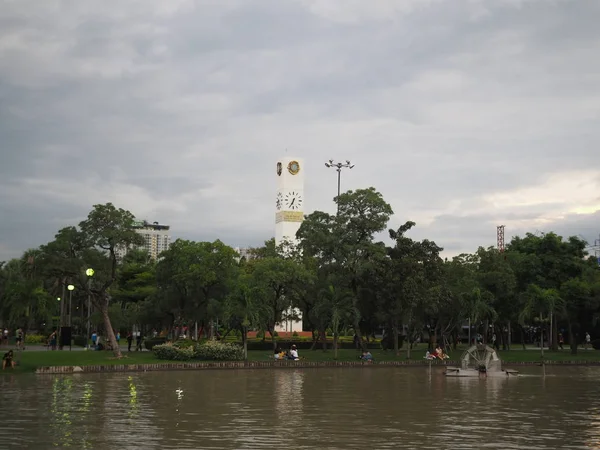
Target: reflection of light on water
point(288, 393)
point(86, 398)
point(179, 393)
point(60, 418)
point(133, 399)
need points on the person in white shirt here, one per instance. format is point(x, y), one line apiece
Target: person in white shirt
point(294, 353)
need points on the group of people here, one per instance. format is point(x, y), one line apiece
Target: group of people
point(18, 337)
point(291, 354)
point(438, 353)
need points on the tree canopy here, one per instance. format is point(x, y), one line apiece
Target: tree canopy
point(342, 274)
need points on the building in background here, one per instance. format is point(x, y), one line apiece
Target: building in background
point(245, 252)
point(156, 236)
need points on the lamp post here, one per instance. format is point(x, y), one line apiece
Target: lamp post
point(70, 288)
point(338, 166)
point(89, 273)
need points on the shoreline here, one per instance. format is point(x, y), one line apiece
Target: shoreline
point(236, 365)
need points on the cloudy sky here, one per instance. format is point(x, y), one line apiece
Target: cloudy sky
point(464, 114)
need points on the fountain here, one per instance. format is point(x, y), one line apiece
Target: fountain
point(479, 360)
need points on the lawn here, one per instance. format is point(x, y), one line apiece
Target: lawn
point(29, 360)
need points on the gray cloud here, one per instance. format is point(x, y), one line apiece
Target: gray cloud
point(178, 111)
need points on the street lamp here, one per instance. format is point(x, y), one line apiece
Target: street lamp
point(89, 273)
point(338, 166)
point(70, 288)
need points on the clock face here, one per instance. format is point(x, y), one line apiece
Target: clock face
point(279, 201)
point(293, 167)
point(293, 200)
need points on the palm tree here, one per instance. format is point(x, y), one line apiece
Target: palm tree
point(338, 306)
point(539, 303)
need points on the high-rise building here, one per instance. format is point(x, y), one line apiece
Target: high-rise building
point(289, 214)
point(156, 238)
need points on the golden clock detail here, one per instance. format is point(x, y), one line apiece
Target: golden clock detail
point(293, 167)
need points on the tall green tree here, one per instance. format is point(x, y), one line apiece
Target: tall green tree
point(108, 229)
point(196, 277)
point(344, 244)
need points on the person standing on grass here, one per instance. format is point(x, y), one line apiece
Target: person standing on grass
point(138, 343)
point(20, 339)
point(588, 339)
point(129, 341)
point(561, 341)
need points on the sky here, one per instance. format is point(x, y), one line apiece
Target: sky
point(464, 114)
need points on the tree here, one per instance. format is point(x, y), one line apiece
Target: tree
point(344, 244)
point(413, 268)
point(108, 229)
point(275, 280)
point(195, 277)
point(244, 306)
point(539, 302)
point(336, 307)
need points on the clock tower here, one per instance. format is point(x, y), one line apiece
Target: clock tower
point(289, 214)
point(289, 201)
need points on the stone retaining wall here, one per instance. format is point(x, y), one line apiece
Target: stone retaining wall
point(275, 365)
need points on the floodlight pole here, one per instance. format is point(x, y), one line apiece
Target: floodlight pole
point(338, 166)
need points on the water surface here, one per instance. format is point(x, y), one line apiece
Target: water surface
point(349, 408)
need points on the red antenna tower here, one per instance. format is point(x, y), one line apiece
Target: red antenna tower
point(500, 236)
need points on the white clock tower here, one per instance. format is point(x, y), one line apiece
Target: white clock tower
point(289, 203)
point(289, 214)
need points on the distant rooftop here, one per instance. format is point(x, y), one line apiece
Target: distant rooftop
point(148, 225)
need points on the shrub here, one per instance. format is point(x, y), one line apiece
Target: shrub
point(151, 342)
point(172, 353)
point(295, 334)
point(260, 334)
point(219, 351)
point(35, 338)
point(184, 343)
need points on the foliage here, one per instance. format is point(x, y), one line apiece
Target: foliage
point(344, 276)
point(173, 352)
point(35, 339)
point(218, 351)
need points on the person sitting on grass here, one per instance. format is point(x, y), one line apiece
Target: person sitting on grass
point(294, 353)
point(8, 360)
point(367, 356)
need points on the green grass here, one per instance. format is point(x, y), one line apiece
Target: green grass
point(29, 360)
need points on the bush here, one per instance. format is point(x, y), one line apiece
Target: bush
point(172, 352)
point(35, 339)
point(295, 334)
point(184, 343)
point(219, 351)
point(596, 344)
point(151, 342)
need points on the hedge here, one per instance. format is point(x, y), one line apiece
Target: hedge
point(209, 351)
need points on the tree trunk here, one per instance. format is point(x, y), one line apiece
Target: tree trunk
point(523, 337)
point(554, 333)
point(335, 345)
point(363, 344)
point(110, 334)
point(572, 340)
point(245, 342)
point(508, 335)
point(323, 334)
point(486, 324)
point(273, 339)
point(395, 336)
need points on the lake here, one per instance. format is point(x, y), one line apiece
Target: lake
point(338, 408)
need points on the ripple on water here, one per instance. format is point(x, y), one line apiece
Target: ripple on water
point(302, 409)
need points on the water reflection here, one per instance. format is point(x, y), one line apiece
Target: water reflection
point(288, 394)
point(303, 409)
